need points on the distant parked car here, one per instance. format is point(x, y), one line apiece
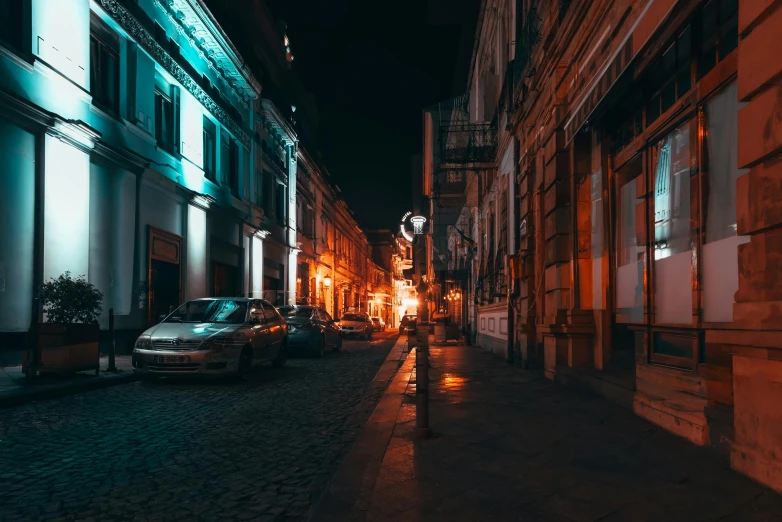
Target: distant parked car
point(356, 325)
point(407, 323)
point(213, 336)
point(379, 324)
point(311, 327)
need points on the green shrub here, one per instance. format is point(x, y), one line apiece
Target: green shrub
point(67, 300)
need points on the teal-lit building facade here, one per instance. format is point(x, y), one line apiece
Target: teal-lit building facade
point(132, 139)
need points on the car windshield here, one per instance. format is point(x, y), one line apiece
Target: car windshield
point(354, 317)
point(291, 311)
point(209, 311)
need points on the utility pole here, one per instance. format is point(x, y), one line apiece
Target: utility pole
point(422, 429)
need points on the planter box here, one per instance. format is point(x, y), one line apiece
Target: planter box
point(67, 348)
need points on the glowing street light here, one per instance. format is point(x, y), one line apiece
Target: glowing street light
point(327, 281)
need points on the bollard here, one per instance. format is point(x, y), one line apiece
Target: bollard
point(112, 347)
point(422, 429)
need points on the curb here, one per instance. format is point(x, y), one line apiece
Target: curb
point(347, 495)
point(25, 396)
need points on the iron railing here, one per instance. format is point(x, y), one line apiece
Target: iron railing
point(468, 143)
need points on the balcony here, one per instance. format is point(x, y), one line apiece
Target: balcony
point(464, 144)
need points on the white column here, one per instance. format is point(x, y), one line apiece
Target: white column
point(293, 265)
point(294, 251)
point(195, 285)
point(66, 210)
point(256, 274)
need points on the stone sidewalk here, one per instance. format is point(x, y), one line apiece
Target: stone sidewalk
point(15, 390)
point(511, 445)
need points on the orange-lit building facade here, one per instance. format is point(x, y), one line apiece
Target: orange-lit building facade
point(633, 207)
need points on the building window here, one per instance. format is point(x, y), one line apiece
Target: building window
point(11, 22)
point(720, 172)
point(669, 77)
point(630, 242)
point(210, 149)
point(104, 65)
point(280, 197)
point(268, 191)
point(718, 28)
point(258, 188)
point(164, 119)
point(233, 168)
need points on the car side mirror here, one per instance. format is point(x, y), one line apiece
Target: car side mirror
point(254, 319)
point(160, 319)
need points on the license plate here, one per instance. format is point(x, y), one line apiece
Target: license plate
point(172, 359)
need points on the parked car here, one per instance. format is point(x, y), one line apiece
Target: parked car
point(311, 327)
point(407, 323)
point(213, 336)
point(356, 325)
point(379, 324)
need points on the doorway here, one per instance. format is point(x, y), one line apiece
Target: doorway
point(165, 274)
point(226, 280)
point(165, 288)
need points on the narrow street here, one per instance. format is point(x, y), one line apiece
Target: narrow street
point(184, 450)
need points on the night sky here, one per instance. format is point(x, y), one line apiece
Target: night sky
point(373, 67)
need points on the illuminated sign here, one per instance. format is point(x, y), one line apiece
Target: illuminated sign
point(418, 224)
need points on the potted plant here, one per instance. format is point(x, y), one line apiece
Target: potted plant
point(68, 340)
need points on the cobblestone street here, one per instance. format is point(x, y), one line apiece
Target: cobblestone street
point(185, 450)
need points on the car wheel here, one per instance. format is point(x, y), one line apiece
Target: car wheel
point(338, 346)
point(245, 364)
point(281, 359)
point(320, 347)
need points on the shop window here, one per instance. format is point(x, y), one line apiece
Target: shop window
point(596, 215)
point(674, 245)
point(11, 23)
point(718, 28)
point(104, 65)
point(210, 149)
point(668, 77)
point(630, 242)
point(720, 173)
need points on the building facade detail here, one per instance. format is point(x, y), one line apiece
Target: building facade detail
point(596, 196)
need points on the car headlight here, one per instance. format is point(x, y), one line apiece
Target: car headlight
point(144, 342)
point(213, 344)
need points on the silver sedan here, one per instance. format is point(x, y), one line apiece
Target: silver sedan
point(213, 336)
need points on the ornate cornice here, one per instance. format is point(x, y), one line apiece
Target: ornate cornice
point(278, 122)
point(140, 35)
point(204, 34)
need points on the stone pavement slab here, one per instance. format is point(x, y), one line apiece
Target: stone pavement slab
point(15, 390)
point(511, 445)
